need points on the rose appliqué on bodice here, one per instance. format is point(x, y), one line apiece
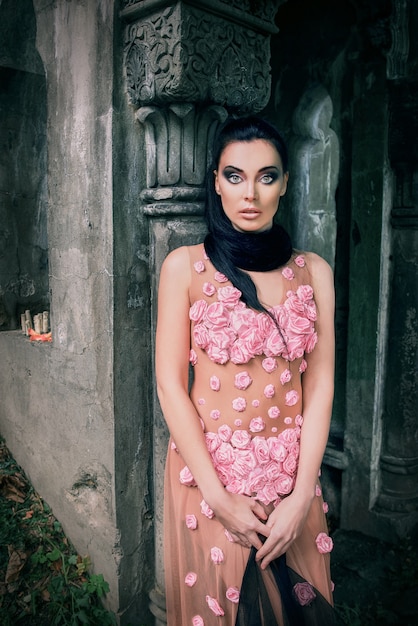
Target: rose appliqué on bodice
point(227, 329)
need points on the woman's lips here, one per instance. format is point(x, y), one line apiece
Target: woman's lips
point(250, 212)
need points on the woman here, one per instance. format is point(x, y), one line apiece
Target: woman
point(245, 532)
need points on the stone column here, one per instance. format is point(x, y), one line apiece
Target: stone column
point(187, 64)
point(397, 494)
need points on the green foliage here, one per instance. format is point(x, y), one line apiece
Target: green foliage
point(42, 578)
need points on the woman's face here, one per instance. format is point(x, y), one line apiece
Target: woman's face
point(250, 181)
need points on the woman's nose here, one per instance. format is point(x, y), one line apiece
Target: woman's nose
point(250, 191)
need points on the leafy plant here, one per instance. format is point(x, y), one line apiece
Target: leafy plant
point(42, 578)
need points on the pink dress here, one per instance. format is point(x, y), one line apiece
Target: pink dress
point(247, 390)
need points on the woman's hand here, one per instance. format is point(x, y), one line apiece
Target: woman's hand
point(243, 517)
point(285, 524)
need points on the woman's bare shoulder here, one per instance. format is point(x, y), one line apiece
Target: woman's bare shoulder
point(318, 266)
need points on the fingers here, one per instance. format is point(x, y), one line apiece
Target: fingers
point(259, 511)
point(272, 548)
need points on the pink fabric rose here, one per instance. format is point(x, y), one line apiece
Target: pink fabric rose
point(215, 414)
point(216, 555)
point(291, 398)
point(304, 293)
point(287, 420)
point(209, 289)
point(324, 543)
point(214, 383)
point(303, 365)
point(252, 340)
point(255, 403)
point(215, 315)
point(304, 593)
point(256, 481)
point(235, 485)
point(192, 357)
point(272, 472)
point(300, 260)
point(220, 278)
point(267, 494)
point(318, 490)
point(285, 376)
point(242, 318)
point(325, 507)
point(298, 324)
point(225, 432)
point(277, 449)
point(214, 606)
point(275, 345)
point(240, 353)
point(229, 295)
point(269, 391)
point(284, 484)
point(186, 477)
point(311, 342)
point(221, 337)
point(206, 510)
point(198, 621)
point(261, 449)
point(199, 267)
point(238, 423)
point(197, 310)
point(290, 464)
point(244, 463)
point(201, 336)
point(299, 420)
point(213, 441)
point(229, 536)
point(239, 404)
point(273, 412)
point(191, 522)
point(201, 401)
point(269, 364)
point(190, 579)
point(224, 455)
point(288, 436)
point(257, 424)
point(232, 594)
point(241, 439)
point(242, 380)
point(288, 273)
point(217, 355)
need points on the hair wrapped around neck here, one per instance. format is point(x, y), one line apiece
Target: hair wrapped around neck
point(232, 251)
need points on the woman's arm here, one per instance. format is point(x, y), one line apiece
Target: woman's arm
point(240, 515)
point(288, 518)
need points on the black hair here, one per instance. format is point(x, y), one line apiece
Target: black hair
point(220, 229)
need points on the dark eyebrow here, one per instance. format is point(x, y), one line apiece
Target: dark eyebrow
point(263, 169)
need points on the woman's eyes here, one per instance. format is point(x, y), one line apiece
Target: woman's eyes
point(266, 179)
point(234, 178)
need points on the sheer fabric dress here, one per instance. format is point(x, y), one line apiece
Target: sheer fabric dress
point(247, 390)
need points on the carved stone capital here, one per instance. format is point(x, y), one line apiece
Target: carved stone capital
point(178, 139)
point(199, 52)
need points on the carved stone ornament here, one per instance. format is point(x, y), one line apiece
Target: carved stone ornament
point(199, 52)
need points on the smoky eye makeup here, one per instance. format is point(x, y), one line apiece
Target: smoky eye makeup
point(272, 175)
point(232, 174)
